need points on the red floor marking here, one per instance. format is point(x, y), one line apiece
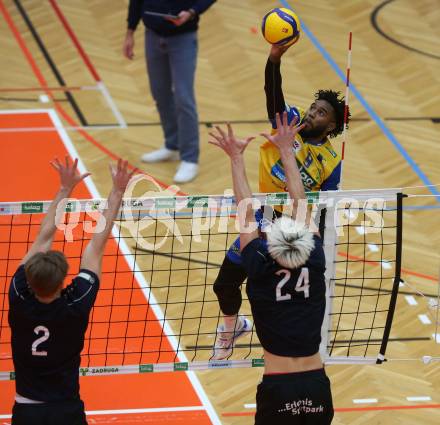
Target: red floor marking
point(25, 169)
point(42, 81)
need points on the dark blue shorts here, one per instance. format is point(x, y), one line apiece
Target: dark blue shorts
point(56, 413)
point(302, 398)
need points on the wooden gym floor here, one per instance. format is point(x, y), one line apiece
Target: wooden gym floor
point(391, 143)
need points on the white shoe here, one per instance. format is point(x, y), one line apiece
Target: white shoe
point(162, 154)
point(226, 340)
point(186, 172)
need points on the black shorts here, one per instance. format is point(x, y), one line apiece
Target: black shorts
point(295, 398)
point(59, 413)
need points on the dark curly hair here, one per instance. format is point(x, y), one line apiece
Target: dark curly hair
point(338, 105)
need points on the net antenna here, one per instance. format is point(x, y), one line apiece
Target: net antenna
point(346, 102)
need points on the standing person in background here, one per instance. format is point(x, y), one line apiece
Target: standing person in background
point(171, 56)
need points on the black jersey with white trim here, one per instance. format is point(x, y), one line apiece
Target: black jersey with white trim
point(288, 305)
point(47, 339)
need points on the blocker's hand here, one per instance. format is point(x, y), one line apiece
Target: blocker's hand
point(69, 176)
point(285, 134)
point(228, 142)
point(121, 175)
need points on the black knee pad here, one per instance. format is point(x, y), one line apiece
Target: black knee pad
point(227, 286)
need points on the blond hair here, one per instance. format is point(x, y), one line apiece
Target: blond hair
point(289, 243)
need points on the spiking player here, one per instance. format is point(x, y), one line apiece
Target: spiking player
point(286, 291)
point(48, 322)
point(319, 167)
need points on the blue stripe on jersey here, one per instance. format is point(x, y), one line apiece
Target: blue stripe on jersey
point(332, 182)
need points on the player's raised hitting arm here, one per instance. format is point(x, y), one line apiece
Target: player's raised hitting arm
point(69, 178)
point(235, 148)
point(273, 82)
point(92, 257)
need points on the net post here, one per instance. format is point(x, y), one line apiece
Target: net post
point(397, 279)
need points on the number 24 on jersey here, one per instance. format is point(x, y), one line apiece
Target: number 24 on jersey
point(302, 285)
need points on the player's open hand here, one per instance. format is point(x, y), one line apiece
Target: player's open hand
point(286, 133)
point(228, 142)
point(121, 175)
point(69, 176)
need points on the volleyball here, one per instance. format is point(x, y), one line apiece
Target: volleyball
point(281, 26)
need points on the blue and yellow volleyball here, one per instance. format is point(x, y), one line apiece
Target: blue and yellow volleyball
point(281, 26)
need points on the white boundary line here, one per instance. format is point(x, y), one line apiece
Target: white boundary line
point(364, 400)
point(419, 398)
point(111, 104)
point(125, 250)
point(139, 277)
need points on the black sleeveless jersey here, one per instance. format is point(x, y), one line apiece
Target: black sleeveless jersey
point(47, 339)
point(288, 305)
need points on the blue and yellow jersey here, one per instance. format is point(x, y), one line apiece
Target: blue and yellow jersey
point(318, 164)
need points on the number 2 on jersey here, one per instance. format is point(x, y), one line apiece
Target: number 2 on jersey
point(302, 285)
point(40, 340)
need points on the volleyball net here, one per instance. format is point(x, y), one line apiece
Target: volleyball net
point(156, 309)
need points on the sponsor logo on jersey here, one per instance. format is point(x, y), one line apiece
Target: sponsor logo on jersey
point(332, 152)
point(308, 181)
point(278, 171)
point(308, 161)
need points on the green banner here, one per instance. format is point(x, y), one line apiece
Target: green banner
point(198, 201)
point(312, 197)
point(276, 198)
point(165, 202)
point(31, 207)
point(180, 366)
point(257, 362)
point(146, 368)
